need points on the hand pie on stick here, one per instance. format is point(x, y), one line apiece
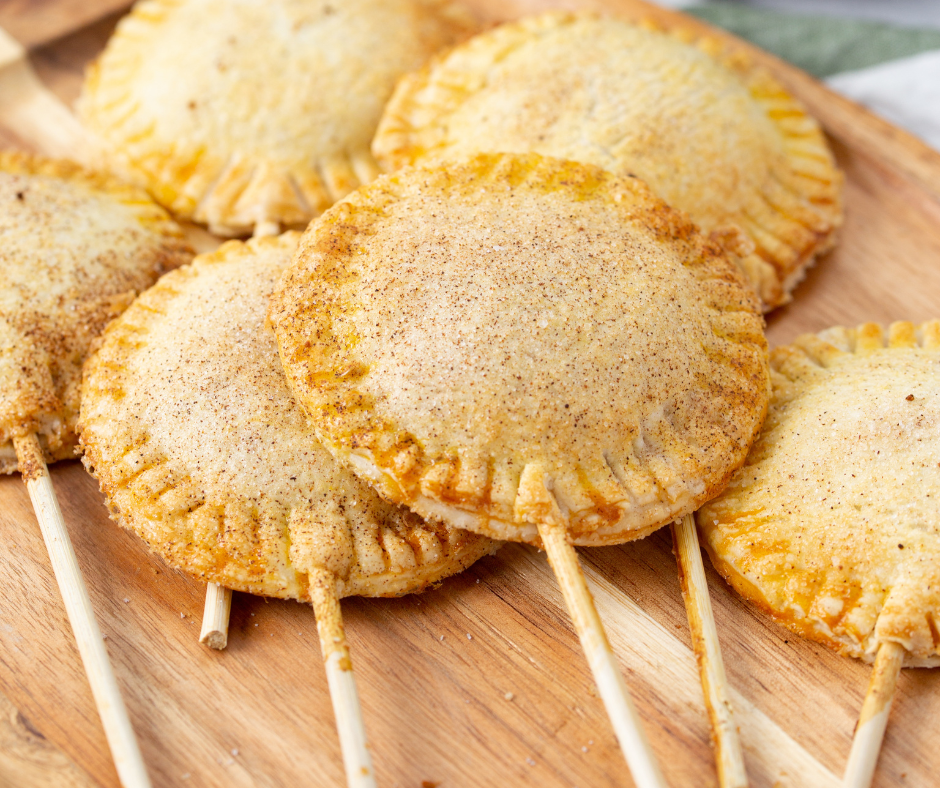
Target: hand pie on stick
point(75, 248)
point(246, 114)
point(250, 117)
point(188, 425)
point(710, 132)
point(532, 349)
point(832, 524)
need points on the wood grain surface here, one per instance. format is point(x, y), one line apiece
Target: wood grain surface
point(480, 682)
point(28, 758)
point(35, 23)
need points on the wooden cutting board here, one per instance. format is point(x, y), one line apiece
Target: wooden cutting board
point(480, 682)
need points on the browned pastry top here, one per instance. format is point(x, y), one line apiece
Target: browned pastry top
point(709, 131)
point(519, 338)
point(75, 249)
point(832, 524)
point(188, 425)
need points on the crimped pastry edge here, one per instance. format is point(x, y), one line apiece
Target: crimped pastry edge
point(135, 506)
point(820, 350)
point(657, 514)
point(774, 265)
point(56, 431)
point(230, 195)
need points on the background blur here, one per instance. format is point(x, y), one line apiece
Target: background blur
point(884, 54)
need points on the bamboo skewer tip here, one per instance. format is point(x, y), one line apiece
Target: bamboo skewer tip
point(869, 734)
point(607, 675)
point(729, 758)
point(110, 704)
point(32, 112)
point(11, 50)
point(267, 227)
point(215, 616)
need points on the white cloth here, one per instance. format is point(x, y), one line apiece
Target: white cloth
point(910, 13)
point(905, 91)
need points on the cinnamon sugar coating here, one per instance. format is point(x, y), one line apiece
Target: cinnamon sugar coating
point(709, 131)
point(234, 113)
point(199, 448)
point(832, 525)
point(75, 249)
point(515, 339)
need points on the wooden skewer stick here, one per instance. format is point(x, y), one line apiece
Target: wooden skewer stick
point(33, 112)
point(39, 117)
point(218, 607)
point(600, 657)
point(874, 717)
point(104, 688)
point(698, 606)
point(340, 678)
point(215, 615)
point(267, 227)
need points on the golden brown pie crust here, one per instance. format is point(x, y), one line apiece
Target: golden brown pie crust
point(237, 114)
point(75, 249)
point(832, 524)
point(199, 448)
point(711, 132)
point(516, 339)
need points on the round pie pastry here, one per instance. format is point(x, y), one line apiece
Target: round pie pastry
point(235, 113)
point(199, 448)
point(75, 249)
point(517, 340)
point(710, 133)
point(832, 525)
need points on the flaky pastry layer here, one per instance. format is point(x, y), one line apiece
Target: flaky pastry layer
point(710, 132)
point(517, 340)
point(832, 524)
point(199, 448)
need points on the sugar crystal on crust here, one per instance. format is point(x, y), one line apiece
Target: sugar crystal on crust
point(515, 338)
point(199, 448)
point(832, 523)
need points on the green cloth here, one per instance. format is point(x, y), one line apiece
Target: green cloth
point(820, 45)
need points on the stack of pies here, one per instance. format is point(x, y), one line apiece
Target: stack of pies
point(251, 500)
point(708, 131)
point(515, 339)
